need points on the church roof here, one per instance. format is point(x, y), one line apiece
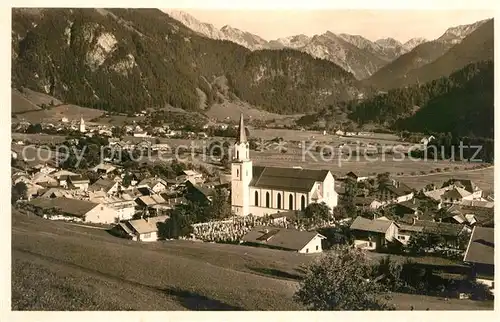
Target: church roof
point(289, 179)
point(242, 135)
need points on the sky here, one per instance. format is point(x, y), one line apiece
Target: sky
point(371, 24)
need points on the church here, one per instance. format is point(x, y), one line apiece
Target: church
point(259, 190)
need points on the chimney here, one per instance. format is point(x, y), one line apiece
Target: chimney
point(414, 220)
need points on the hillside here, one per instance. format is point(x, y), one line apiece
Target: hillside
point(461, 104)
point(128, 59)
point(456, 48)
point(390, 75)
point(466, 109)
point(478, 46)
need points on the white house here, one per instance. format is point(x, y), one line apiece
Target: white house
point(74, 209)
point(108, 186)
point(145, 230)
point(305, 242)
point(79, 182)
point(373, 234)
point(260, 190)
point(157, 185)
point(124, 205)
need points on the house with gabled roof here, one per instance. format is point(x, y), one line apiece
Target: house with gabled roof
point(105, 185)
point(143, 229)
point(466, 184)
point(393, 192)
point(373, 234)
point(480, 255)
point(304, 242)
point(73, 209)
point(356, 177)
point(155, 184)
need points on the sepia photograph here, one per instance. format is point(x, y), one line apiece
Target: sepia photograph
point(195, 159)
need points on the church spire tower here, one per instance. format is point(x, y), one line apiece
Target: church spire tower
point(241, 173)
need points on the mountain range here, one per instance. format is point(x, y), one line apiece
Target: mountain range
point(354, 53)
point(128, 59)
point(125, 60)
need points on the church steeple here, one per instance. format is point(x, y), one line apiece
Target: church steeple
point(242, 135)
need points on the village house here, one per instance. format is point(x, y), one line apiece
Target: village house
point(480, 255)
point(43, 168)
point(373, 234)
point(155, 184)
point(143, 229)
point(149, 201)
point(407, 207)
point(304, 242)
point(103, 168)
point(110, 187)
point(194, 176)
point(450, 233)
point(123, 204)
point(405, 232)
point(356, 177)
point(367, 202)
point(160, 147)
point(469, 215)
point(73, 209)
point(79, 182)
point(20, 176)
point(261, 190)
point(465, 184)
point(44, 179)
point(56, 192)
point(393, 192)
point(141, 134)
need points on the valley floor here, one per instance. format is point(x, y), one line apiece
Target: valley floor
point(60, 266)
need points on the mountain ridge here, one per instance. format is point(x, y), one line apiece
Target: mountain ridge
point(128, 59)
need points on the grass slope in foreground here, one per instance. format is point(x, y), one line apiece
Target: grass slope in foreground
point(59, 266)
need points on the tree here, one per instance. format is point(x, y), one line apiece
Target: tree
point(317, 211)
point(117, 131)
point(340, 280)
point(383, 178)
point(19, 191)
point(219, 208)
point(34, 128)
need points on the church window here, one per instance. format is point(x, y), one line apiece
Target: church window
point(303, 203)
point(290, 202)
point(256, 198)
point(267, 200)
point(238, 155)
point(237, 173)
point(246, 173)
point(278, 201)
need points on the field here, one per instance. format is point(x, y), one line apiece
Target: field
point(60, 266)
point(20, 104)
point(56, 113)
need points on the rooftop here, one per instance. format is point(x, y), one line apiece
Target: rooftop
point(280, 237)
point(481, 248)
point(289, 179)
point(376, 226)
